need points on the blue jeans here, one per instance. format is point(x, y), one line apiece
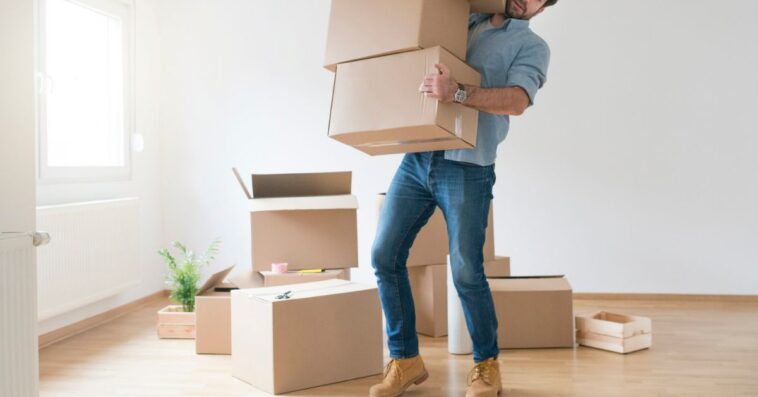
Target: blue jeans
point(463, 192)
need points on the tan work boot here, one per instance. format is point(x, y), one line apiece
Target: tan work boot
point(484, 379)
point(398, 376)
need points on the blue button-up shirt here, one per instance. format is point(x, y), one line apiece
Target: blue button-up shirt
point(509, 56)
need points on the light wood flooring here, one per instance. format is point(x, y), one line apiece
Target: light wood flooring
point(699, 349)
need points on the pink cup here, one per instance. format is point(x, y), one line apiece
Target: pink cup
point(279, 267)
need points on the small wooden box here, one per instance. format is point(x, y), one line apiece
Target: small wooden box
point(615, 332)
point(174, 323)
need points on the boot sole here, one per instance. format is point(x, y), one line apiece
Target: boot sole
point(421, 379)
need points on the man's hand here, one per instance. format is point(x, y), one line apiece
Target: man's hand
point(441, 86)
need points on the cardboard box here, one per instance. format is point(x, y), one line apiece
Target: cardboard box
point(306, 220)
point(325, 332)
point(213, 312)
point(367, 29)
point(488, 6)
point(429, 287)
point(271, 279)
point(615, 332)
point(431, 245)
point(533, 312)
point(378, 109)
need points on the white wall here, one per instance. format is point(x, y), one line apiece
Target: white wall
point(16, 117)
point(635, 172)
point(145, 181)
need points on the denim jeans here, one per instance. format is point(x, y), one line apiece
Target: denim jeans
point(463, 192)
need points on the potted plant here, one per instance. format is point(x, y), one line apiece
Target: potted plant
point(178, 321)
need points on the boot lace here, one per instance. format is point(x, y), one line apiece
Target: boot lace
point(481, 371)
point(393, 367)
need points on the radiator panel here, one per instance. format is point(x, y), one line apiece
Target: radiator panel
point(93, 253)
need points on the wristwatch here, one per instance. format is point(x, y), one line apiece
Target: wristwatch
point(460, 95)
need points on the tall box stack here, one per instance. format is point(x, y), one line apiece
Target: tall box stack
point(379, 62)
point(427, 262)
point(306, 220)
point(306, 335)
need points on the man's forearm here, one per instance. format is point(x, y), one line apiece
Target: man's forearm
point(508, 100)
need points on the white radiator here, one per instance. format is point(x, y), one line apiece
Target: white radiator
point(18, 317)
point(94, 253)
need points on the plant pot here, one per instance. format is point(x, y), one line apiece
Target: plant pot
point(175, 323)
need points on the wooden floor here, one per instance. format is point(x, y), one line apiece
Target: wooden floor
point(699, 349)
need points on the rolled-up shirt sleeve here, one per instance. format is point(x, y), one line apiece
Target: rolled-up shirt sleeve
point(529, 69)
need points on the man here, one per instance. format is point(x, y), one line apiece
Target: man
point(513, 64)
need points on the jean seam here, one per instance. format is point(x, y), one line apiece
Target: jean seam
point(397, 280)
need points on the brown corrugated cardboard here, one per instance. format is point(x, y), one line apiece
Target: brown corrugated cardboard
point(534, 312)
point(213, 315)
point(378, 109)
point(367, 29)
point(306, 220)
point(325, 332)
point(429, 286)
point(488, 6)
point(213, 308)
point(431, 245)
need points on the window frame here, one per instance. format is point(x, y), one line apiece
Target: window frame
point(47, 174)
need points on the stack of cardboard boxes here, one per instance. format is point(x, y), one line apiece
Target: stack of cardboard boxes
point(306, 220)
point(380, 52)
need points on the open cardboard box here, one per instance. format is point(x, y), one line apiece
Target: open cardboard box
point(367, 29)
point(429, 287)
point(533, 311)
point(319, 333)
point(615, 332)
point(431, 244)
point(306, 220)
point(213, 311)
point(378, 109)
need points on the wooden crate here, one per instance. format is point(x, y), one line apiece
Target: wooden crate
point(174, 323)
point(615, 332)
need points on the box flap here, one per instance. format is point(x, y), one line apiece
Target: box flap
point(532, 283)
point(303, 291)
point(242, 183)
point(304, 203)
point(246, 279)
point(297, 185)
point(214, 279)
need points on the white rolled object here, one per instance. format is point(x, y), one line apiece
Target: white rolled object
point(458, 338)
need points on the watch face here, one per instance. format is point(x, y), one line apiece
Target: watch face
point(460, 96)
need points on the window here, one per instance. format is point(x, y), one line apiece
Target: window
point(85, 90)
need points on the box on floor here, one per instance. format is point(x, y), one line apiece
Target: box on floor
point(409, 121)
point(431, 244)
point(367, 29)
point(429, 287)
point(324, 332)
point(213, 307)
point(306, 220)
point(533, 312)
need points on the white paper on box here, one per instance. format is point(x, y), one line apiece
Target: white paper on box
point(303, 291)
point(346, 201)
